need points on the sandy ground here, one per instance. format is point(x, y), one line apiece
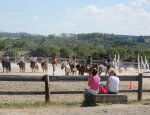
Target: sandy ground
point(119, 109)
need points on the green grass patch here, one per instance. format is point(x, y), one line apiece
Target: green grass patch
point(39, 104)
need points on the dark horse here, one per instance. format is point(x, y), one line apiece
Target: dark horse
point(86, 69)
point(44, 65)
point(34, 67)
point(83, 69)
point(21, 66)
point(7, 65)
point(73, 69)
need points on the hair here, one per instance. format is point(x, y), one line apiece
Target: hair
point(112, 71)
point(94, 71)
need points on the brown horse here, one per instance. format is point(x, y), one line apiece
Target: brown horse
point(44, 65)
point(83, 69)
point(6, 65)
point(34, 67)
point(21, 66)
point(86, 68)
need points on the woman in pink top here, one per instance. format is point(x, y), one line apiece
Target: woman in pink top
point(93, 83)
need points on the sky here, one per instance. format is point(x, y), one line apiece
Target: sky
point(45, 17)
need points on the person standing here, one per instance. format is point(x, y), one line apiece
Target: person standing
point(113, 83)
point(54, 63)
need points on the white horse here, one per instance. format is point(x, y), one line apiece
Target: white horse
point(67, 68)
point(105, 69)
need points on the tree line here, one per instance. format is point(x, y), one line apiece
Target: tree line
point(81, 45)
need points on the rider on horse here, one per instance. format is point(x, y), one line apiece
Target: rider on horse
point(6, 58)
point(21, 59)
point(107, 60)
point(33, 59)
point(68, 60)
point(89, 61)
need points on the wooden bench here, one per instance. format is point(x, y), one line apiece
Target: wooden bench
point(111, 98)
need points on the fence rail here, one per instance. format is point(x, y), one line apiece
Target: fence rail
point(47, 79)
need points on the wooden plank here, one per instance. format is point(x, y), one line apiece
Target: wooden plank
point(22, 78)
point(81, 92)
point(21, 93)
point(67, 92)
point(85, 78)
point(68, 78)
point(59, 78)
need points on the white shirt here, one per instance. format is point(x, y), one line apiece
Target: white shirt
point(33, 59)
point(113, 84)
point(21, 58)
point(6, 58)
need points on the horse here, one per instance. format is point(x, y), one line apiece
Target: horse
point(66, 66)
point(7, 65)
point(84, 69)
point(101, 69)
point(21, 66)
point(44, 65)
point(34, 67)
point(73, 69)
point(106, 69)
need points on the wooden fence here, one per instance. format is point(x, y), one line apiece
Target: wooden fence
point(47, 79)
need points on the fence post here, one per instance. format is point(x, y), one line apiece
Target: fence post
point(140, 82)
point(47, 93)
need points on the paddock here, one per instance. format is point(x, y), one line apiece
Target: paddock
point(58, 86)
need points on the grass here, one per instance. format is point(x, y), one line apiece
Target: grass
point(65, 104)
point(39, 104)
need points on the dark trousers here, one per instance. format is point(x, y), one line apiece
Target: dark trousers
point(89, 100)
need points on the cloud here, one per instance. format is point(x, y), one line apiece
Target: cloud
point(66, 24)
point(7, 14)
point(139, 3)
point(35, 17)
point(120, 18)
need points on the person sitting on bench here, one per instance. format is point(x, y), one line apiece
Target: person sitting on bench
point(113, 83)
point(93, 83)
point(92, 90)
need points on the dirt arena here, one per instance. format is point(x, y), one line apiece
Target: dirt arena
point(56, 86)
point(61, 86)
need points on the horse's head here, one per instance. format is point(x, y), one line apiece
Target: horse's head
point(112, 64)
point(78, 66)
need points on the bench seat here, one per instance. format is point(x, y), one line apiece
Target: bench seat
point(111, 98)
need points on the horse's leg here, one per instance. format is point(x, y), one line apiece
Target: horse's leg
point(106, 72)
point(7, 70)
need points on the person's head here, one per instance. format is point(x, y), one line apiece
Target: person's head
point(6, 54)
point(112, 73)
point(68, 56)
point(22, 54)
point(94, 71)
point(89, 57)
